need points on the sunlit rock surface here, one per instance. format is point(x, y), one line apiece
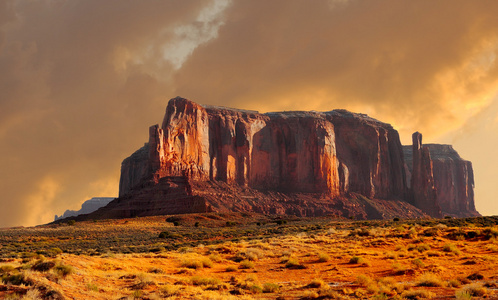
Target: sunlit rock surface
point(205, 158)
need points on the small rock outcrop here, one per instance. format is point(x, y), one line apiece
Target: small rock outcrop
point(208, 159)
point(87, 207)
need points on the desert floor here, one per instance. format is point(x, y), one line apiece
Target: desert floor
point(247, 256)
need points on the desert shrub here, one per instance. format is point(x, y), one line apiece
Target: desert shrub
point(431, 232)
point(169, 235)
point(474, 290)
point(364, 280)
point(71, 222)
point(156, 270)
point(316, 283)
point(16, 279)
point(451, 248)
point(197, 263)
point(417, 294)
point(293, 263)
point(429, 280)
point(43, 266)
point(490, 233)
point(423, 247)
point(323, 257)
point(453, 283)
point(356, 260)
point(169, 290)
point(7, 269)
point(230, 269)
point(246, 264)
point(270, 287)
point(198, 280)
point(475, 276)
point(411, 247)
point(92, 287)
point(463, 295)
point(398, 269)
point(248, 254)
point(63, 270)
point(137, 294)
point(418, 263)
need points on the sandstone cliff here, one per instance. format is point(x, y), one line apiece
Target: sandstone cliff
point(286, 151)
point(301, 163)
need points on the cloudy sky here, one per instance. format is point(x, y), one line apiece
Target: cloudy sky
point(82, 80)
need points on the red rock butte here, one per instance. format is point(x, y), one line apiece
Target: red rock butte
point(205, 158)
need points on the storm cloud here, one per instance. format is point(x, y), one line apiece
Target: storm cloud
point(81, 81)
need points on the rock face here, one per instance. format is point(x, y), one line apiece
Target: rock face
point(290, 152)
point(87, 207)
point(205, 158)
point(286, 151)
point(453, 179)
point(370, 156)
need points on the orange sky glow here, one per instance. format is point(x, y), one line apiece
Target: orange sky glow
point(82, 80)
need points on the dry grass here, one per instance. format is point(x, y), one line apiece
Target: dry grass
point(303, 258)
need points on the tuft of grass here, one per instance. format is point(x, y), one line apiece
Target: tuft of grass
point(364, 280)
point(169, 290)
point(423, 247)
point(198, 280)
point(270, 287)
point(463, 295)
point(92, 287)
point(323, 257)
point(63, 270)
point(418, 263)
point(196, 263)
point(356, 260)
point(451, 248)
point(230, 269)
point(293, 263)
point(430, 280)
point(317, 283)
point(417, 294)
point(7, 269)
point(246, 264)
point(474, 290)
point(43, 266)
point(137, 294)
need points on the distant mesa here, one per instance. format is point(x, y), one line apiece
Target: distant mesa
point(87, 207)
point(217, 159)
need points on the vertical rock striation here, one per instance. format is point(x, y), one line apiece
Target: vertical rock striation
point(423, 190)
point(370, 155)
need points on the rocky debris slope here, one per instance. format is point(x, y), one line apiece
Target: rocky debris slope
point(87, 207)
point(205, 158)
